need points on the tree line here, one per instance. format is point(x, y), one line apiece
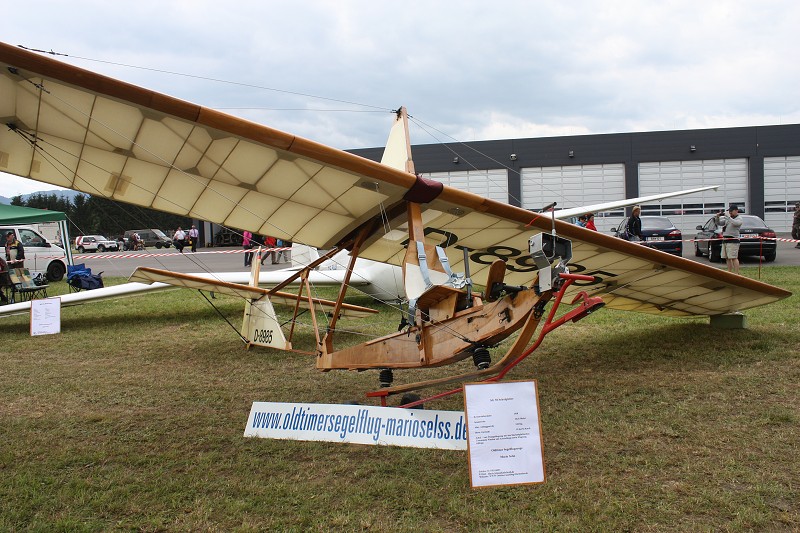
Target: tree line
point(91, 215)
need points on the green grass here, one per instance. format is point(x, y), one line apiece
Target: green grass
point(132, 418)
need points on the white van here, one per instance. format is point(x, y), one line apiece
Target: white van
point(40, 255)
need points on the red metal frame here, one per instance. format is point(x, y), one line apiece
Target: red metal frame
point(587, 305)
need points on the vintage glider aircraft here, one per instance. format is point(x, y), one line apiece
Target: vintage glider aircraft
point(77, 129)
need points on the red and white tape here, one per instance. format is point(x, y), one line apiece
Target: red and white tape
point(174, 253)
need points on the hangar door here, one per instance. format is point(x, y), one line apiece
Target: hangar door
point(574, 186)
point(492, 184)
point(781, 191)
point(687, 212)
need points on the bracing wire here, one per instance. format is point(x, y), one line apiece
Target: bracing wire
point(503, 186)
point(208, 78)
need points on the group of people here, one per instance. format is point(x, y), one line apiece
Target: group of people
point(136, 242)
point(730, 219)
point(633, 228)
point(249, 242)
point(179, 239)
point(587, 221)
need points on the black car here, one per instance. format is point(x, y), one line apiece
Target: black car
point(658, 232)
point(755, 239)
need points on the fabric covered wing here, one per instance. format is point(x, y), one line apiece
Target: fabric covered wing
point(107, 138)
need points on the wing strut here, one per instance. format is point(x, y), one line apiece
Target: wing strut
point(362, 236)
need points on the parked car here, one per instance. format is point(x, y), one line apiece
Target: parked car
point(659, 233)
point(150, 237)
point(752, 239)
point(95, 243)
point(40, 255)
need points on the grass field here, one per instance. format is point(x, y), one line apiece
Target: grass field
point(132, 419)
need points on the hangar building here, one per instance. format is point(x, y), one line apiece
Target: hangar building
point(756, 167)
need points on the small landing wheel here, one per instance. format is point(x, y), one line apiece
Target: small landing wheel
point(481, 358)
point(410, 397)
point(386, 377)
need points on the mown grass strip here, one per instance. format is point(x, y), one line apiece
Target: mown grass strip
point(132, 418)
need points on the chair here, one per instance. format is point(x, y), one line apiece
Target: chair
point(431, 286)
point(23, 288)
point(72, 272)
point(81, 278)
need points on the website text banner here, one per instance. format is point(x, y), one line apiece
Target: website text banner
point(358, 424)
point(505, 439)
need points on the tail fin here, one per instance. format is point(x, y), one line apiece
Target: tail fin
point(260, 325)
point(397, 153)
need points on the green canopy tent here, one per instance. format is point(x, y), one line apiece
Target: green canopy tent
point(14, 214)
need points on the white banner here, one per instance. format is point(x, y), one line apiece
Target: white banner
point(358, 424)
point(505, 439)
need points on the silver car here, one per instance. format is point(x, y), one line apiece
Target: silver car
point(95, 243)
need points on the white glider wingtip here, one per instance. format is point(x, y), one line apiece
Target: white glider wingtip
point(607, 206)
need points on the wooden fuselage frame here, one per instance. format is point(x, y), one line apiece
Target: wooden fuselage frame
point(446, 326)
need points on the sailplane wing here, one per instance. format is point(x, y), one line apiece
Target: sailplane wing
point(77, 129)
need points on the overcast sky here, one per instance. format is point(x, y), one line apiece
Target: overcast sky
point(465, 70)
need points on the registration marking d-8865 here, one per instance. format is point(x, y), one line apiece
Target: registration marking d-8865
point(516, 260)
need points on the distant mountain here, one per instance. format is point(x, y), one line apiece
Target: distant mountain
point(64, 194)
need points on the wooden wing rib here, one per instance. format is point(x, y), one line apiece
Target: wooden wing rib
point(154, 275)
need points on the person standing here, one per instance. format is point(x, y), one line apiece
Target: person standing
point(5, 281)
point(590, 222)
point(634, 226)
point(193, 236)
point(796, 224)
point(270, 243)
point(287, 253)
point(730, 236)
point(15, 253)
point(282, 255)
point(179, 239)
point(247, 244)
